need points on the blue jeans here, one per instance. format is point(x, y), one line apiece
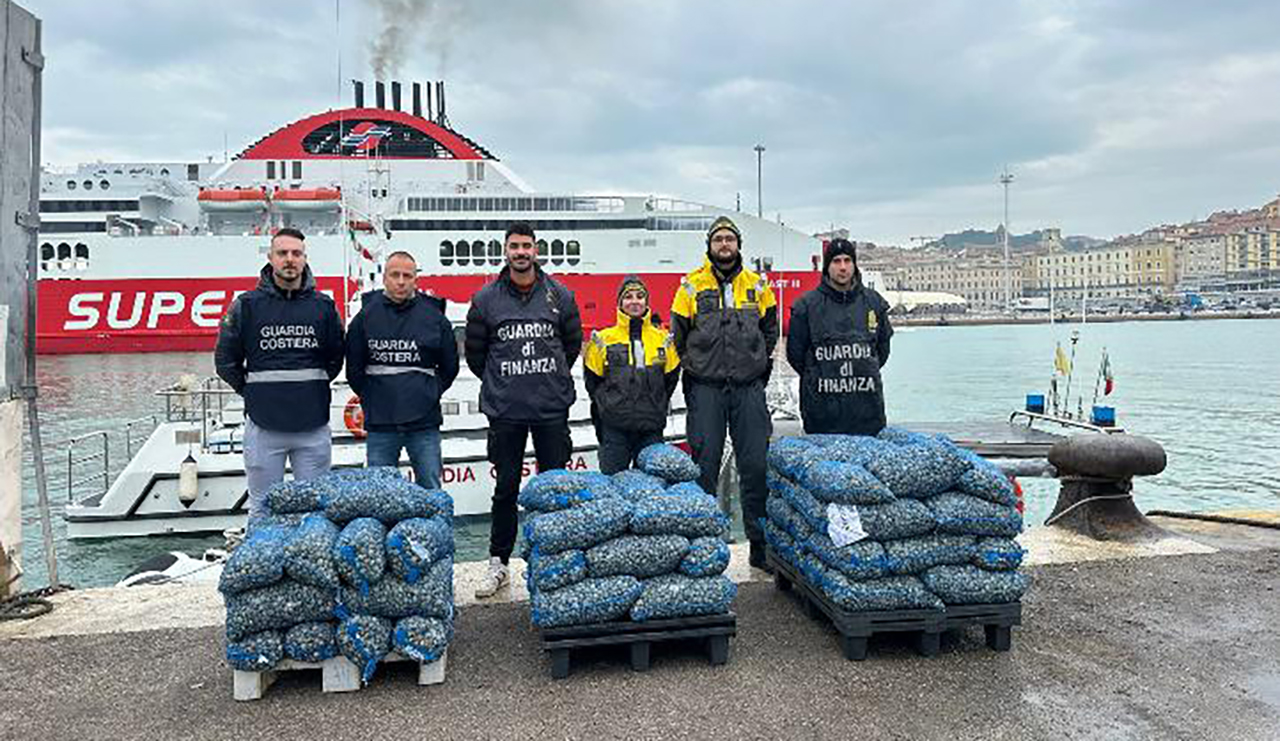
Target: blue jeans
point(423, 446)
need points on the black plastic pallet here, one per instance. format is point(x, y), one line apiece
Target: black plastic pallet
point(855, 628)
point(714, 630)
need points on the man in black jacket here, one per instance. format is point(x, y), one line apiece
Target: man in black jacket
point(524, 333)
point(279, 346)
point(401, 358)
point(838, 341)
point(724, 320)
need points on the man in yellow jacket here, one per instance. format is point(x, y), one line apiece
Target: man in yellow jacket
point(630, 370)
point(724, 321)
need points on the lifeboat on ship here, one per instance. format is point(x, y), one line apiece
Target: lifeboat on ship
point(233, 199)
point(308, 199)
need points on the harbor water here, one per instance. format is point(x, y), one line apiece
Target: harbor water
point(1209, 391)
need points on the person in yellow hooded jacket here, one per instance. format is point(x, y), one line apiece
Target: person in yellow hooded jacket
point(630, 370)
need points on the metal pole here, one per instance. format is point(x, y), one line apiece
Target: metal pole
point(759, 187)
point(1005, 179)
point(35, 60)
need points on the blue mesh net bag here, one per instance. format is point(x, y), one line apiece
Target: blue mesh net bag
point(915, 555)
point(314, 642)
point(692, 516)
point(276, 607)
point(559, 489)
point(579, 527)
point(970, 585)
point(388, 499)
point(968, 515)
point(308, 553)
point(291, 497)
point(847, 448)
point(360, 552)
point(677, 595)
point(415, 544)
point(423, 639)
point(637, 555)
point(843, 483)
point(998, 554)
point(707, 556)
point(668, 463)
point(864, 559)
point(550, 572)
point(900, 436)
point(290, 520)
point(780, 541)
point(918, 470)
point(889, 593)
point(257, 562)
point(782, 514)
point(365, 640)
point(791, 456)
point(635, 484)
point(255, 653)
point(904, 518)
point(985, 480)
point(588, 601)
point(390, 597)
point(804, 503)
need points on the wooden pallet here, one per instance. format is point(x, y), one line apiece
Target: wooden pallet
point(338, 674)
point(856, 628)
point(713, 630)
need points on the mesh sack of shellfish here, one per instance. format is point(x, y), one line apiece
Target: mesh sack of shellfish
point(667, 462)
point(554, 490)
point(677, 595)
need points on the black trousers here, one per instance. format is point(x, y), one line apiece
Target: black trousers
point(619, 448)
point(742, 409)
point(552, 447)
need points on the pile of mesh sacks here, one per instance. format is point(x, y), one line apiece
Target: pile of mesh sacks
point(643, 544)
point(895, 522)
point(358, 562)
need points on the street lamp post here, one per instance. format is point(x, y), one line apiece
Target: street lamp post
point(1005, 179)
point(759, 187)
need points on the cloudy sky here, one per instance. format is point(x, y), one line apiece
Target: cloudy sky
point(892, 119)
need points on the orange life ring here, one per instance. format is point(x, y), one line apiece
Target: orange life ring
point(1017, 490)
point(353, 417)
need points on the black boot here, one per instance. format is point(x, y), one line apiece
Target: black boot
point(756, 557)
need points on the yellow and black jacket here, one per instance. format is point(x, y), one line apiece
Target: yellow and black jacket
point(725, 326)
point(630, 370)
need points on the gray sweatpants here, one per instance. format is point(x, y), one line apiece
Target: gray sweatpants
point(309, 453)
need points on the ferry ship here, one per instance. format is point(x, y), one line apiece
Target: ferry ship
point(146, 256)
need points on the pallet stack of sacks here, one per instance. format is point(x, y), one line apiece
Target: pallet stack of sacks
point(895, 522)
point(358, 562)
point(644, 544)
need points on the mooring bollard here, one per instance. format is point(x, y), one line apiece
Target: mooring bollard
point(1096, 497)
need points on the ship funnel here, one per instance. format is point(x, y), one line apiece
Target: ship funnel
point(359, 94)
point(395, 96)
point(417, 99)
point(431, 111)
point(380, 94)
point(441, 118)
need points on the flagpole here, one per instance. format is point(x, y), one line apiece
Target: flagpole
point(1098, 381)
point(1071, 369)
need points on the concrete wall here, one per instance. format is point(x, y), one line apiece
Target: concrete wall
point(18, 30)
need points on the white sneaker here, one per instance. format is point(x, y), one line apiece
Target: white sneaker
point(493, 580)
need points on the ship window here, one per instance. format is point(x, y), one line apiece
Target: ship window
point(486, 204)
point(540, 204)
point(557, 252)
point(271, 169)
point(477, 252)
point(463, 252)
point(104, 184)
point(82, 251)
point(46, 251)
point(522, 204)
point(193, 172)
point(64, 250)
point(469, 204)
point(542, 252)
point(297, 170)
point(573, 250)
point(88, 185)
point(71, 185)
point(446, 253)
point(495, 252)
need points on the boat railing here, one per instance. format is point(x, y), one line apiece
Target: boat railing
point(1031, 418)
point(85, 460)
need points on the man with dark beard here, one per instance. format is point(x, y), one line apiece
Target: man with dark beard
point(725, 325)
point(838, 342)
point(524, 333)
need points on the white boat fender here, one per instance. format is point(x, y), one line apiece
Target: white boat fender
point(188, 481)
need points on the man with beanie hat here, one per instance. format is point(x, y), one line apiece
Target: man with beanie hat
point(725, 324)
point(838, 341)
point(630, 370)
